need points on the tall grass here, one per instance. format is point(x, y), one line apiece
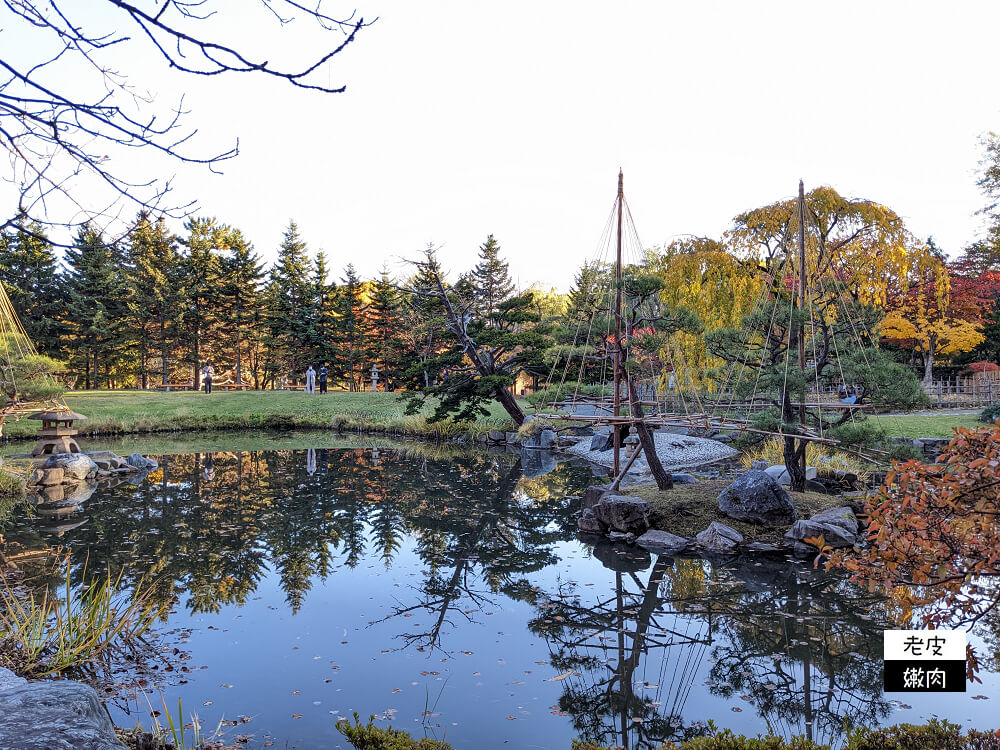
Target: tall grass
point(824, 458)
point(86, 628)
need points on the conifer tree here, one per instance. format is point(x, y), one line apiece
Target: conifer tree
point(154, 278)
point(290, 292)
point(97, 304)
point(425, 325)
point(200, 270)
point(239, 301)
point(491, 278)
point(350, 334)
point(323, 311)
point(30, 275)
point(385, 331)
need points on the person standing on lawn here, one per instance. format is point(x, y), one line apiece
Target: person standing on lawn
point(323, 375)
point(310, 380)
point(208, 372)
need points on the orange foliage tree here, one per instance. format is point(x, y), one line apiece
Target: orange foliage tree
point(933, 536)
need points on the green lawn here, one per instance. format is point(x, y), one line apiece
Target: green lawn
point(115, 412)
point(927, 425)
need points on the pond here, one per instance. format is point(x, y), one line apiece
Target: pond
point(446, 592)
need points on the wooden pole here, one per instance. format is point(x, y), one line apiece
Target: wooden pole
point(616, 431)
point(802, 302)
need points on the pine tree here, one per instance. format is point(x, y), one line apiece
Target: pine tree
point(239, 301)
point(323, 303)
point(200, 271)
point(425, 326)
point(97, 305)
point(153, 273)
point(385, 332)
point(491, 279)
point(350, 333)
point(290, 291)
point(30, 275)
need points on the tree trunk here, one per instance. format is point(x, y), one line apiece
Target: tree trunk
point(929, 365)
point(239, 360)
point(165, 370)
point(663, 480)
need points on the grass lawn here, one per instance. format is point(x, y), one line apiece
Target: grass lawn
point(927, 425)
point(115, 412)
point(689, 508)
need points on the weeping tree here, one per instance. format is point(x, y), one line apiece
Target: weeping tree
point(26, 377)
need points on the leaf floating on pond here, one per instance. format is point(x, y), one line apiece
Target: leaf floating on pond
point(562, 676)
point(296, 716)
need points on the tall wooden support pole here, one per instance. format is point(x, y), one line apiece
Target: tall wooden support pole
point(802, 305)
point(618, 364)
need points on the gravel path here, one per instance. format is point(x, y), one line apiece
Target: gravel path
point(675, 452)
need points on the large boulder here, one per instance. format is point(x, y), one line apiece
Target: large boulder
point(719, 539)
point(593, 494)
point(842, 517)
point(623, 513)
point(46, 477)
point(757, 498)
point(52, 715)
point(662, 542)
point(602, 441)
point(139, 461)
point(77, 467)
point(589, 524)
point(544, 439)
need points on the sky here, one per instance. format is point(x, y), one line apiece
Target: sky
point(464, 119)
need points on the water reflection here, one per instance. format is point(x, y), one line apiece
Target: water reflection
point(641, 651)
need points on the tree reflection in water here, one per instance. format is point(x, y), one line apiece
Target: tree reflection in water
point(801, 646)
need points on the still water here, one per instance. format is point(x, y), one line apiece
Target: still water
point(446, 593)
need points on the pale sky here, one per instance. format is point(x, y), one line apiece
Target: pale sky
point(466, 118)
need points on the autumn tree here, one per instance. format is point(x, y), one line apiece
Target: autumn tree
point(932, 531)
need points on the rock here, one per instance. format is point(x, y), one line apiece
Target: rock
point(544, 439)
point(496, 436)
point(593, 494)
point(111, 457)
point(53, 715)
point(602, 441)
point(623, 513)
point(76, 466)
point(79, 492)
point(835, 536)
point(589, 524)
point(618, 536)
point(139, 461)
point(780, 473)
point(684, 478)
point(512, 438)
point(719, 538)
point(51, 495)
point(103, 465)
point(662, 542)
point(763, 548)
point(581, 431)
point(815, 485)
point(46, 477)
point(756, 497)
point(622, 558)
point(842, 517)
point(723, 437)
point(760, 465)
point(536, 462)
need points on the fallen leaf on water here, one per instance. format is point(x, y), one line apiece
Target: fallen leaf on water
point(207, 703)
point(562, 676)
point(396, 690)
point(511, 718)
point(226, 685)
point(295, 692)
point(296, 716)
point(737, 709)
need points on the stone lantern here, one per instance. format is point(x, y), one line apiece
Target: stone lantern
point(57, 433)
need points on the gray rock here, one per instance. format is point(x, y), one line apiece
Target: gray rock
point(581, 431)
point(593, 494)
point(842, 517)
point(623, 513)
point(10, 680)
point(111, 457)
point(780, 473)
point(719, 538)
point(544, 439)
point(53, 715)
point(139, 461)
point(816, 485)
point(684, 478)
point(763, 548)
point(602, 441)
point(79, 492)
point(497, 436)
point(618, 536)
point(756, 497)
point(76, 466)
point(46, 477)
point(512, 438)
point(534, 463)
point(589, 524)
point(760, 465)
point(835, 536)
point(723, 437)
point(662, 542)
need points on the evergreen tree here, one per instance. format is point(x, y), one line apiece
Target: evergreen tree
point(588, 294)
point(424, 323)
point(30, 275)
point(491, 279)
point(323, 314)
point(154, 278)
point(350, 333)
point(386, 326)
point(239, 301)
point(200, 271)
point(97, 305)
point(290, 293)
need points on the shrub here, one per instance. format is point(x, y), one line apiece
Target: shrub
point(934, 735)
point(542, 398)
point(370, 737)
point(990, 414)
